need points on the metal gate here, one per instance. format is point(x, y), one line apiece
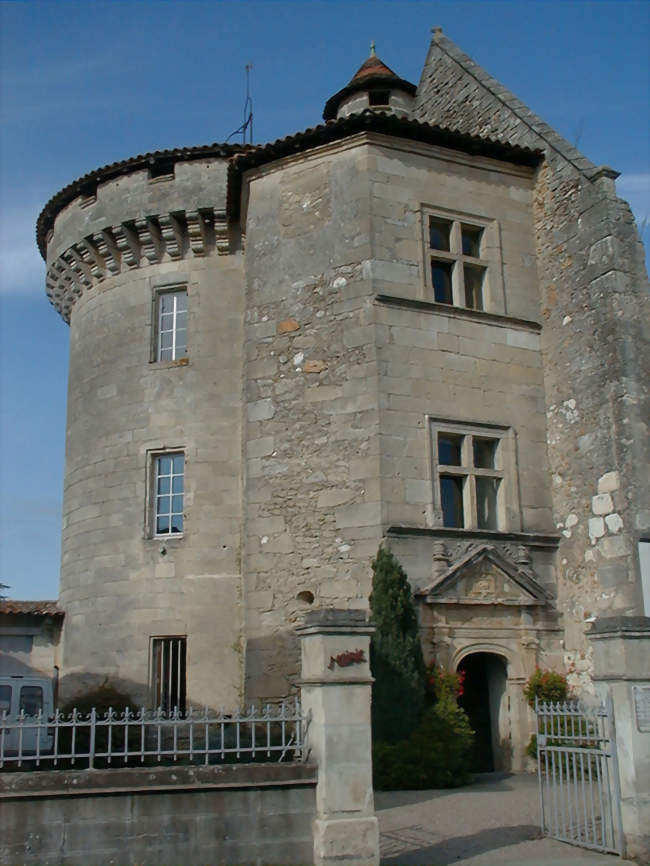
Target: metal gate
point(578, 775)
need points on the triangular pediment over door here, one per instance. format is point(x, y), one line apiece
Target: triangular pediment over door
point(484, 576)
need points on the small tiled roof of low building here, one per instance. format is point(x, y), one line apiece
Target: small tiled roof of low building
point(33, 608)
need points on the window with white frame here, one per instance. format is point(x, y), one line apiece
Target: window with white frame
point(168, 673)
point(456, 263)
point(171, 325)
point(168, 493)
point(470, 476)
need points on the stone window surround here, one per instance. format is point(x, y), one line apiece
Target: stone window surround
point(509, 515)
point(158, 292)
point(490, 258)
point(151, 497)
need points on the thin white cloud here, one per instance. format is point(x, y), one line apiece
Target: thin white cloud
point(635, 189)
point(639, 182)
point(22, 270)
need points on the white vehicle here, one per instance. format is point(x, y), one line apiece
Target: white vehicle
point(22, 698)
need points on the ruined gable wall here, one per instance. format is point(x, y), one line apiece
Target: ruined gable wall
point(593, 292)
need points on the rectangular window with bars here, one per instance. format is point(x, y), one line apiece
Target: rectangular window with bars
point(171, 325)
point(168, 673)
point(168, 493)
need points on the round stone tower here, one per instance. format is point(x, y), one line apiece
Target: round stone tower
point(141, 264)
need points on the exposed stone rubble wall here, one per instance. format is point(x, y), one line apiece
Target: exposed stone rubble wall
point(312, 499)
point(347, 358)
point(593, 291)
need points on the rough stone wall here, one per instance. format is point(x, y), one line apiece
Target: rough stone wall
point(312, 513)
point(593, 292)
point(341, 375)
point(119, 585)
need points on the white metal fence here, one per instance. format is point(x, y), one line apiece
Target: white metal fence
point(578, 774)
point(145, 737)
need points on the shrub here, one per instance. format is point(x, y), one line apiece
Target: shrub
point(413, 746)
point(436, 755)
point(442, 684)
point(102, 698)
point(546, 686)
point(395, 653)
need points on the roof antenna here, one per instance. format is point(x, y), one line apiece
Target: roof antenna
point(247, 125)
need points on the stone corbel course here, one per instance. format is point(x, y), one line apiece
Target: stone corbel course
point(132, 244)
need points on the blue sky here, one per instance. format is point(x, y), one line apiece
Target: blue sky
point(84, 84)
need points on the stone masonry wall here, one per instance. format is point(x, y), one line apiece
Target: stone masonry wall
point(448, 362)
point(119, 585)
point(593, 291)
point(312, 518)
point(470, 367)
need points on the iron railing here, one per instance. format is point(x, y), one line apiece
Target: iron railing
point(145, 737)
point(578, 774)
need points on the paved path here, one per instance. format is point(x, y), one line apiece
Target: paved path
point(494, 822)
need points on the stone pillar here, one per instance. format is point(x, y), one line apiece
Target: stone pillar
point(336, 686)
point(622, 667)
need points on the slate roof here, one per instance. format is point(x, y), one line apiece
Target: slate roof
point(455, 91)
point(33, 608)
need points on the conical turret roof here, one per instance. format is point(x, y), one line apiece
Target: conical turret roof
point(373, 74)
point(373, 66)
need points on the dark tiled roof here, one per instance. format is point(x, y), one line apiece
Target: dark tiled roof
point(242, 157)
point(371, 121)
point(34, 608)
point(373, 74)
point(87, 183)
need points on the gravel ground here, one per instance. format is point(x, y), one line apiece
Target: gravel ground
point(494, 822)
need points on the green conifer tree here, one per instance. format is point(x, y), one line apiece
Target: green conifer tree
point(395, 653)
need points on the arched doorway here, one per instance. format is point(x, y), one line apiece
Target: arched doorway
point(485, 702)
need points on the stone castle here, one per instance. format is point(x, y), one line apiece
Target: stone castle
point(418, 323)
